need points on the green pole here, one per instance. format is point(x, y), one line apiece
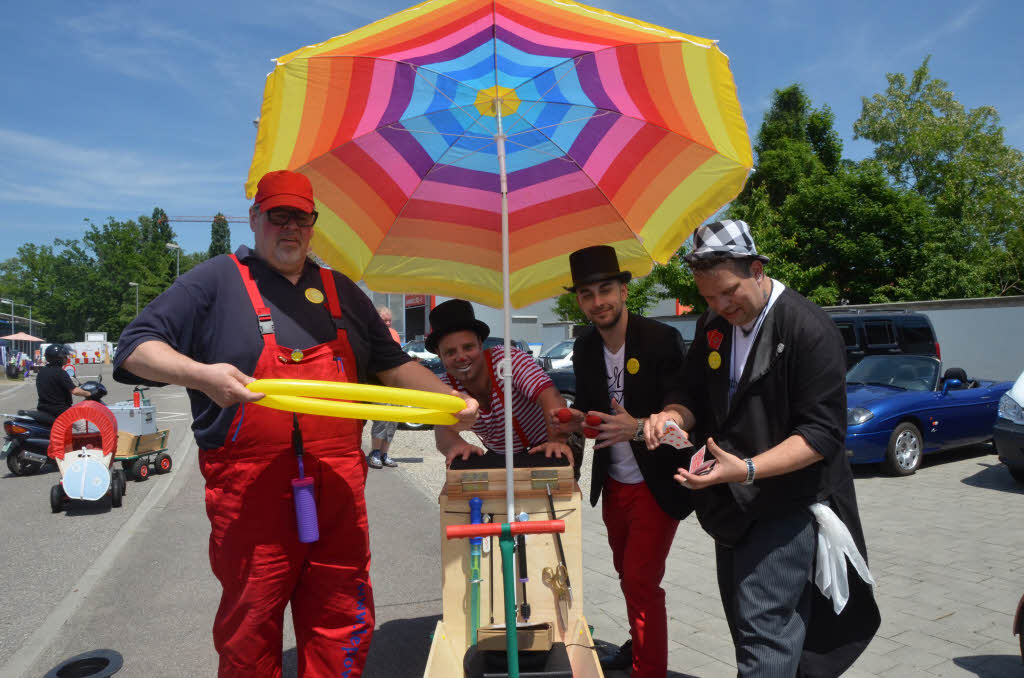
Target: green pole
point(507, 542)
point(474, 571)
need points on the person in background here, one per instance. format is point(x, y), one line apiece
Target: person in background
point(383, 432)
point(54, 387)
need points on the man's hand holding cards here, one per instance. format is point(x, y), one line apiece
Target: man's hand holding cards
point(674, 436)
point(698, 466)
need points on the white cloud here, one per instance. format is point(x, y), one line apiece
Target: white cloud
point(952, 26)
point(132, 43)
point(64, 174)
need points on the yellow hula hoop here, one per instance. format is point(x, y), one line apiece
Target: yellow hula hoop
point(331, 399)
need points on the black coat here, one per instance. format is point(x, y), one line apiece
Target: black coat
point(794, 382)
point(659, 351)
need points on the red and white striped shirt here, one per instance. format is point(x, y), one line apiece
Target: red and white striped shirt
point(528, 380)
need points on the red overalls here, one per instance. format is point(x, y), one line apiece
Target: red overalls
point(254, 546)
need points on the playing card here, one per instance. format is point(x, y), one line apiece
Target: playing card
point(698, 466)
point(673, 435)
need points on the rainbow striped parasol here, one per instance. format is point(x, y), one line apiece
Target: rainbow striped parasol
point(430, 133)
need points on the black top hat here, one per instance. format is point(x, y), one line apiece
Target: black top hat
point(594, 264)
point(453, 315)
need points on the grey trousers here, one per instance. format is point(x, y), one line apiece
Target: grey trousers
point(766, 592)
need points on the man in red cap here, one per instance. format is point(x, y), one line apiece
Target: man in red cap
point(264, 313)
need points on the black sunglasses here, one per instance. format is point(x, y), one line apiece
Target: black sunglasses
point(280, 216)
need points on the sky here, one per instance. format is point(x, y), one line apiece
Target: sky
point(113, 108)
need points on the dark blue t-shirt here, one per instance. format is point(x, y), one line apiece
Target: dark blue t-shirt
point(206, 314)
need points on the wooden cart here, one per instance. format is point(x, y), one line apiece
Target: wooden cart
point(142, 454)
point(554, 621)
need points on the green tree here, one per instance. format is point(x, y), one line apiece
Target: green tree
point(958, 160)
point(220, 237)
point(795, 141)
point(76, 286)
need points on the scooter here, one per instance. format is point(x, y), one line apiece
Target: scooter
point(28, 434)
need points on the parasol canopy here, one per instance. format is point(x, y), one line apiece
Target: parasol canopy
point(429, 132)
point(21, 336)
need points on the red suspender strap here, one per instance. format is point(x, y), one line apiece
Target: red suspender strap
point(266, 323)
point(331, 290)
point(501, 396)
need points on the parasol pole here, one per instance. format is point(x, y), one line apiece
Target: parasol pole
point(505, 372)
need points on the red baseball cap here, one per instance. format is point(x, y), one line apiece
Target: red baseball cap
point(284, 188)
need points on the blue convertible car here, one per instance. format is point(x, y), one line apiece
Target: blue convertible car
point(902, 407)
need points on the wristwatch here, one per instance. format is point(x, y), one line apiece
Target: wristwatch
point(750, 472)
point(639, 435)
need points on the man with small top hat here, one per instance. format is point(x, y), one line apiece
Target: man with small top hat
point(764, 388)
point(270, 312)
point(628, 369)
point(457, 337)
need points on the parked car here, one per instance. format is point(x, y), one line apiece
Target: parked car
point(564, 379)
point(416, 349)
point(885, 333)
point(1009, 432)
point(902, 407)
point(491, 342)
point(558, 356)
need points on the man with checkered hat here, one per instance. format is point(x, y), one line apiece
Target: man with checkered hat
point(764, 387)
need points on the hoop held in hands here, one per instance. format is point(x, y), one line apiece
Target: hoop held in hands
point(335, 399)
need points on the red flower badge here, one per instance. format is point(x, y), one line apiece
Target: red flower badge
point(715, 339)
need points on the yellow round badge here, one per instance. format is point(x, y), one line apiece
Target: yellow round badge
point(315, 295)
point(632, 365)
point(296, 355)
point(714, 360)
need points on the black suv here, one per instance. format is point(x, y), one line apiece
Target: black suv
point(885, 332)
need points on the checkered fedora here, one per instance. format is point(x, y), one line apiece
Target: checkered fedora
point(726, 239)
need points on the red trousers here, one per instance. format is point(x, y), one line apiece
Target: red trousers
point(640, 535)
point(262, 566)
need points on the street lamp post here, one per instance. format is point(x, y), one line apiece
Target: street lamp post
point(177, 257)
point(11, 302)
point(136, 286)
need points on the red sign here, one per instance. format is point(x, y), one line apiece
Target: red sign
point(415, 300)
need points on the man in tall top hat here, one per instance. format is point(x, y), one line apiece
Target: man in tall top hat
point(629, 368)
point(764, 385)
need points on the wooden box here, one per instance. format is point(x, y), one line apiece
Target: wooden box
point(471, 479)
point(130, 445)
point(532, 638)
point(552, 619)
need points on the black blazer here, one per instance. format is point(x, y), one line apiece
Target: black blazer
point(659, 352)
point(794, 382)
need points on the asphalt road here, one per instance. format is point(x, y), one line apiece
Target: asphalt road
point(945, 547)
point(46, 554)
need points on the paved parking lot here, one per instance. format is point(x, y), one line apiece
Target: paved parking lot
point(945, 546)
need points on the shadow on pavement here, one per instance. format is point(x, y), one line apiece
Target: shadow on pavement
point(605, 647)
point(994, 476)
point(933, 459)
point(408, 460)
point(991, 665)
point(399, 648)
